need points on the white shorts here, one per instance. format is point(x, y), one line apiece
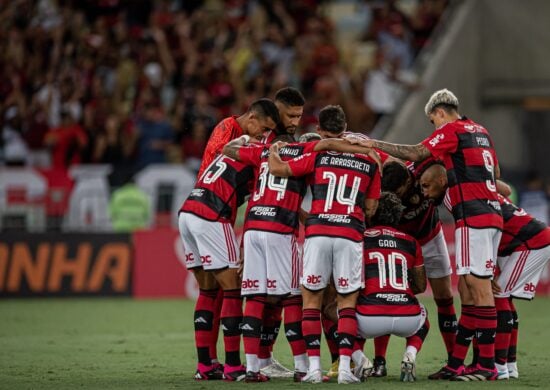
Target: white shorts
point(436, 257)
point(373, 326)
point(207, 244)
point(520, 272)
point(341, 258)
point(272, 264)
point(476, 251)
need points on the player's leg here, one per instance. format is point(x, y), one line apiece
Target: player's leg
point(316, 273)
point(329, 320)
point(254, 289)
point(347, 273)
point(438, 270)
point(219, 251)
point(204, 314)
point(414, 344)
point(380, 349)
point(512, 348)
point(477, 261)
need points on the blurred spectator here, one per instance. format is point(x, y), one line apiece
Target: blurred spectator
point(533, 198)
point(14, 151)
point(66, 142)
point(155, 135)
point(129, 208)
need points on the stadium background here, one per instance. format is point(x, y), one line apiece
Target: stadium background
point(136, 87)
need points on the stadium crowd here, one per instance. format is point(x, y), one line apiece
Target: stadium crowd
point(134, 82)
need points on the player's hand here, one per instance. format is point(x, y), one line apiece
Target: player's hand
point(353, 139)
point(274, 148)
point(376, 157)
point(495, 287)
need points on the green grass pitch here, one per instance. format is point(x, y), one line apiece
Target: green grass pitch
point(133, 344)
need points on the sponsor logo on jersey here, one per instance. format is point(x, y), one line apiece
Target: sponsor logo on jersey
point(206, 259)
point(271, 283)
point(261, 211)
point(197, 192)
point(189, 258)
point(435, 140)
point(372, 233)
point(335, 218)
point(529, 287)
point(489, 264)
point(393, 297)
point(343, 282)
point(249, 283)
point(313, 279)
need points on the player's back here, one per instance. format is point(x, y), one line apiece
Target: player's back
point(220, 190)
point(389, 256)
point(276, 201)
point(521, 230)
point(340, 184)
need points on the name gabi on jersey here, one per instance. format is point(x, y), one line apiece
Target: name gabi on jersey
point(198, 192)
point(344, 162)
point(335, 218)
point(262, 211)
point(393, 297)
point(387, 243)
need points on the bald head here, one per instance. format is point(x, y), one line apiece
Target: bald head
point(433, 181)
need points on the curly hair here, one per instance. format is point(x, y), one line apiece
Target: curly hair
point(389, 211)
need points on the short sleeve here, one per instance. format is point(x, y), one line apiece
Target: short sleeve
point(441, 142)
point(303, 164)
point(250, 155)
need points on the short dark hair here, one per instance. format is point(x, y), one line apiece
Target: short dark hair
point(284, 138)
point(265, 108)
point(332, 119)
point(394, 175)
point(308, 137)
point(389, 211)
point(290, 97)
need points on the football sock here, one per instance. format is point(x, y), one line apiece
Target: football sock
point(251, 329)
point(347, 330)
point(505, 324)
point(204, 324)
point(514, 335)
point(311, 329)
point(465, 334)
point(486, 323)
point(329, 329)
point(417, 339)
point(293, 324)
point(381, 346)
point(448, 323)
point(231, 318)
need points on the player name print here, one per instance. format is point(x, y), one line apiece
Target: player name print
point(345, 162)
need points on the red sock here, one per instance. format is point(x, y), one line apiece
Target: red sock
point(204, 324)
point(293, 324)
point(465, 333)
point(514, 335)
point(347, 330)
point(311, 329)
point(446, 317)
point(216, 325)
point(359, 344)
point(417, 339)
point(231, 317)
point(252, 324)
point(381, 346)
point(486, 324)
point(329, 329)
point(270, 329)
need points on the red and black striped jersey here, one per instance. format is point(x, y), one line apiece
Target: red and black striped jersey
point(389, 255)
point(340, 183)
point(521, 231)
point(276, 201)
point(467, 151)
point(220, 190)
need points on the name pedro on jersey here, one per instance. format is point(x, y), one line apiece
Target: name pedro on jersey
point(346, 163)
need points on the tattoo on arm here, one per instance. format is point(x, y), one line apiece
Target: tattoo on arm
point(416, 152)
point(232, 151)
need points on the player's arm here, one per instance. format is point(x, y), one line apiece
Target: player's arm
point(345, 145)
point(278, 167)
point(413, 153)
point(231, 149)
point(302, 216)
point(418, 279)
point(370, 208)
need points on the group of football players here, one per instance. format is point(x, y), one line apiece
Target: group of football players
point(373, 240)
